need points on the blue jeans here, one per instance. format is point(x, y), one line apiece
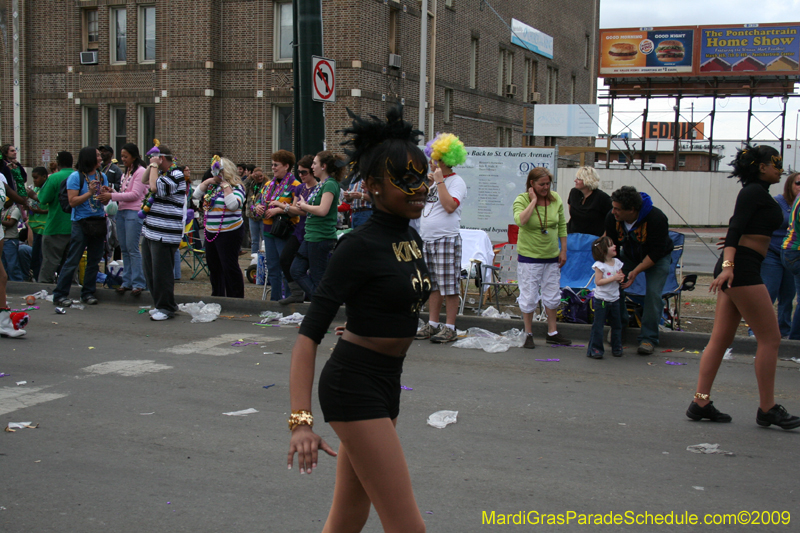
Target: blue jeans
point(791, 260)
point(356, 219)
point(310, 263)
point(36, 255)
point(781, 286)
point(603, 310)
point(129, 230)
point(94, 253)
point(272, 250)
point(12, 261)
point(256, 234)
point(653, 306)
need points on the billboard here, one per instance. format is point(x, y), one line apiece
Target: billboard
point(647, 52)
point(666, 130)
point(531, 38)
point(722, 51)
point(749, 49)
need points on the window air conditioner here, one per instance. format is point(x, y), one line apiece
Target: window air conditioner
point(511, 89)
point(395, 61)
point(535, 97)
point(89, 58)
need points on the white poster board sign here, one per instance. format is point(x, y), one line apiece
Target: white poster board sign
point(494, 178)
point(569, 120)
point(529, 37)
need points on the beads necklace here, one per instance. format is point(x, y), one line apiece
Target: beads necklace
point(210, 198)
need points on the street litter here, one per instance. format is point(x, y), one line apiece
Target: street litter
point(145, 414)
point(12, 427)
point(22, 382)
point(568, 346)
point(491, 312)
point(270, 316)
point(405, 388)
point(673, 363)
point(79, 307)
point(60, 311)
point(243, 412)
point(728, 354)
point(201, 312)
point(707, 448)
point(142, 311)
point(273, 353)
point(481, 339)
point(242, 343)
point(4, 375)
point(695, 487)
point(294, 318)
point(440, 419)
point(268, 386)
point(548, 360)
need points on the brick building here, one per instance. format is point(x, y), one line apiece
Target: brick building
point(203, 75)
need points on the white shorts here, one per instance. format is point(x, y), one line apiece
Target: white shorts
point(536, 278)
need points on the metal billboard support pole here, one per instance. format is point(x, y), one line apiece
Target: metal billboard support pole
point(644, 128)
point(711, 133)
point(785, 100)
point(749, 116)
point(676, 134)
point(423, 65)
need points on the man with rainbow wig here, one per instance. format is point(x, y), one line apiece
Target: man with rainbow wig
point(439, 228)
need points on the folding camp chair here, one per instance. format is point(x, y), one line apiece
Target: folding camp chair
point(194, 257)
point(504, 274)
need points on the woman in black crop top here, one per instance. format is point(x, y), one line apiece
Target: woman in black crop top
point(379, 273)
point(742, 293)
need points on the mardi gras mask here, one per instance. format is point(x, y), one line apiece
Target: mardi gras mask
point(216, 166)
point(777, 162)
point(410, 181)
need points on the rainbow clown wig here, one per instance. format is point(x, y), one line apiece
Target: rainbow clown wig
point(447, 148)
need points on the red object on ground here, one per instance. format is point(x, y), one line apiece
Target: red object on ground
point(513, 233)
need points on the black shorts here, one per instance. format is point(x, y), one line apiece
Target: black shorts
point(746, 268)
point(359, 384)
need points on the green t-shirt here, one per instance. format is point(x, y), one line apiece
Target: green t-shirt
point(58, 222)
point(323, 228)
point(37, 220)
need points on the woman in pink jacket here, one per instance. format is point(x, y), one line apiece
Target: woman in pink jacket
point(129, 225)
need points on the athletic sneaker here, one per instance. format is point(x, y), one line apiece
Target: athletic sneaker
point(444, 336)
point(159, 316)
point(426, 332)
point(778, 416)
point(695, 412)
point(558, 338)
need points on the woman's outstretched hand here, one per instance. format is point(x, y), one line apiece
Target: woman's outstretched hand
point(305, 443)
point(726, 276)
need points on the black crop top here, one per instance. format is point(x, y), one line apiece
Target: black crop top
point(378, 272)
point(756, 213)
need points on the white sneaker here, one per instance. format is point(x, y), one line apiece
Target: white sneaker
point(153, 311)
point(159, 316)
point(254, 255)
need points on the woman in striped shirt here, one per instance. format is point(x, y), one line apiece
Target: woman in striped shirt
point(223, 198)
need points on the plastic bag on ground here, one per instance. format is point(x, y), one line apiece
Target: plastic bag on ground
point(270, 316)
point(707, 448)
point(201, 312)
point(440, 419)
point(491, 312)
point(294, 318)
point(481, 339)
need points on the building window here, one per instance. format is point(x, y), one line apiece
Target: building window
point(552, 85)
point(473, 63)
point(119, 35)
point(119, 132)
point(500, 138)
point(283, 31)
point(450, 3)
point(282, 126)
point(147, 125)
point(529, 81)
point(147, 34)
point(393, 19)
point(651, 158)
point(90, 29)
point(505, 72)
point(448, 106)
point(500, 66)
point(508, 137)
point(572, 89)
point(588, 51)
point(89, 128)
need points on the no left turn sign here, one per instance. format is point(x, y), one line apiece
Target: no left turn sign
point(324, 79)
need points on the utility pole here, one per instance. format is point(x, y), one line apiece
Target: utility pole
point(310, 121)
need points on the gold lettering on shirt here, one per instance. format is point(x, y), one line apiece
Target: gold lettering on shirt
point(406, 251)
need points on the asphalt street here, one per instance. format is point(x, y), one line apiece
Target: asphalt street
point(132, 435)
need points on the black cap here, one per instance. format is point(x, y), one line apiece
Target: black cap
point(105, 147)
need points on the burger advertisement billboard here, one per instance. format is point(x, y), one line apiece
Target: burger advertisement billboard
point(754, 49)
point(646, 51)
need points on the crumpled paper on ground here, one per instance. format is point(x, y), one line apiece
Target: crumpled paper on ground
point(440, 419)
point(201, 312)
point(491, 312)
point(12, 427)
point(707, 448)
point(481, 339)
point(243, 412)
point(294, 318)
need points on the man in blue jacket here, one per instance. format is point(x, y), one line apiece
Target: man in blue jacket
point(641, 234)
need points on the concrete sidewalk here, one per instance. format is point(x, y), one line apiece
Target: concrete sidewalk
point(579, 333)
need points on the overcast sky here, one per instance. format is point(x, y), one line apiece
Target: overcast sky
point(639, 13)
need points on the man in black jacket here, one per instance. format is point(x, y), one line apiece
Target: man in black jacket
point(641, 234)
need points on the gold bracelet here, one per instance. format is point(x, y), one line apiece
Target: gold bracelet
point(301, 418)
point(726, 264)
point(701, 396)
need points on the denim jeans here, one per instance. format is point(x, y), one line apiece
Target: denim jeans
point(129, 231)
point(781, 286)
point(273, 247)
point(256, 234)
point(653, 306)
point(310, 263)
point(12, 261)
point(791, 260)
point(36, 255)
point(356, 219)
point(94, 253)
point(603, 310)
